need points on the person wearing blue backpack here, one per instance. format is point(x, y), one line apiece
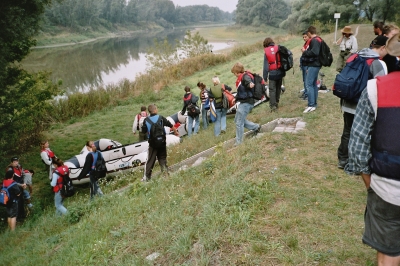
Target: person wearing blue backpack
point(14, 190)
point(376, 68)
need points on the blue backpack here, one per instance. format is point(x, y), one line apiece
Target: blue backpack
point(5, 196)
point(353, 79)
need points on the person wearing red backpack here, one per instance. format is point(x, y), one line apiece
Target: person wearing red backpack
point(376, 68)
point(272, 71)
point(138, 123)
point(57, 183)
point(374, 152)
point(12, 204)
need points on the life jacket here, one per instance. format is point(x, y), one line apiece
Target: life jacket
point(273, 57)
point(385, 145)
point(49, 153)
point(140, 120)
point(18, 171)
point(217, 93)
point(61, 171)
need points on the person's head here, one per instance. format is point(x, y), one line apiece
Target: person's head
point(152, 109)
point(393, 45)
point(346, 31)
point(305, 36)
point(187, 89)
point(58, 162)
point(379, 45)
point(267, 42)
point(237, 69)
point(390, 30)
point(143, 109)
point(201, 85)
point(32, 172)
point(378, 27)
point(215, 80)
point(9, 174)
point(90, 145)
point(14, 161)
point(44, 144)
point(311, 31)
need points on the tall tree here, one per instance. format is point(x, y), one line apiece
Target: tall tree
point(261, 12)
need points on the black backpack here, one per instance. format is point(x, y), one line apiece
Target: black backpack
point(325, 55)
point(157, 138)
point(99, 166)
point(67, 189)
point(258, 90)
point(192, 108)
point(286, 57)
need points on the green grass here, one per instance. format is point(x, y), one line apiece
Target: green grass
point(276, 200)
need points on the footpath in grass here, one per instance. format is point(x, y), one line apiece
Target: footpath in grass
point(275, 200)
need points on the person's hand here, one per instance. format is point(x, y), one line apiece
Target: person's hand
point(23, 186)
point(237, 105)
point(251, 85)
point(134, 133)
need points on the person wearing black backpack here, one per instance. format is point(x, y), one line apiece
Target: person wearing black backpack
point(14, 191)
point(193, 111)
point(88, 168)
point(57, 184)
point(273, 72)
point(154, 126)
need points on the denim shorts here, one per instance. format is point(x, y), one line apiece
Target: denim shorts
point(382, 225)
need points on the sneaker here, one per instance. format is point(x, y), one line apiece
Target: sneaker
point(309, 109)
point(274, 109)
point(145, 179)
point(223, 131)
point(341, 164)
point(30, 205)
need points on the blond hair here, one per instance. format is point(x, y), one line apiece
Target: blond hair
point(215, 80)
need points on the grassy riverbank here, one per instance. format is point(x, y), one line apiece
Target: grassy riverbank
point(276, 200)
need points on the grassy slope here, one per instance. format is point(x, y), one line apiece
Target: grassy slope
point(276, 200)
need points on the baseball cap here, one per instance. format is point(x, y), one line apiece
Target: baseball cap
point(14, 159)
point(380, 40)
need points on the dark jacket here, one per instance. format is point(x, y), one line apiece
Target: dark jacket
point(244, 92)
point(87, 167)
point(310, 56)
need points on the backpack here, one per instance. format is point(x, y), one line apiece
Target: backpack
point(157, 134)
point(140, 119)
point(99, 165)
point(353, 79)
point(193, 110)
point(228, 100)
point(5, 196)
point(325, 55)
point(286, 57)
point(259, 87)
point(67, 189)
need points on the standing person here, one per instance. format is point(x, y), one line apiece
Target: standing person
point(313, 65)
point(155, 150)
point(216, 96)
point(376, 68)
point(303, 68)
point(12, 205)
point(374, 152)
point(138, 122)
point(47, 156)
point(203, 98)
point(272, 71)
point(244, 102)
point(348, 45)
point(88, 168)
point(19, 176)
point(57, 183)
point(392, 62)
point(190, 99)
point(378, 29)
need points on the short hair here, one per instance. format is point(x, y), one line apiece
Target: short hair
point(378, 25)
point(187, 88)
point(58, 162)
point(312, 30)
point(143, 108)
point(305, 33)
point(42, 144)
point(152, 108)
point(237, 68)
point(388, 28)
point(215, 79)
point(267, 41)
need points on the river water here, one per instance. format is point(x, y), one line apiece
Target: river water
point(102, 62)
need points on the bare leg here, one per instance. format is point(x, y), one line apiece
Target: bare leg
point(12, 223)
point(385, 260)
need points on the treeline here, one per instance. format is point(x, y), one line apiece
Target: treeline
point(91, 14)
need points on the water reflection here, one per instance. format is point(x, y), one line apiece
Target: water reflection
point(103, 62)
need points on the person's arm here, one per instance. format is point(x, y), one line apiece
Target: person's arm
point(135, 124)
point(168, 124)
point(247, 81)
point(354, 45)
point(339, 41)
point(87, 166)
point(360, 138)
point(314, 48)
point(46, 159)
point(265, 68)
point(54, 178)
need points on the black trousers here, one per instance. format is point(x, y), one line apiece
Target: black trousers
point(343, 150)
point(153, 155)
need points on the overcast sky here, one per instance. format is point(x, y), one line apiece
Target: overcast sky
point(225, 5)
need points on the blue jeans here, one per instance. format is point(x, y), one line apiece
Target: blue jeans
point(190, 125)
point(241, 121)
point(58, 201)
point(220, 124)
point(311, 85)
point(304, 72)
point(204, 118)
point(94, 187)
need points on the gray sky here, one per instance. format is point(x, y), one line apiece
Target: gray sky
point(225, 5)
